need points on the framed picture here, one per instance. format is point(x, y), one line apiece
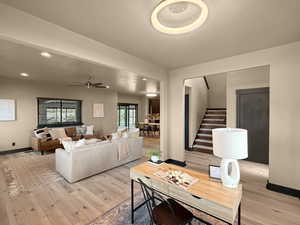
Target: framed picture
point(98, 110)
point(7, 110)
point(214, 172)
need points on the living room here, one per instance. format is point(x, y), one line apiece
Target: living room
point(125, 49)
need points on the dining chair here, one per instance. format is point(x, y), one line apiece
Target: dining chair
point(167, 212)
point(143, 129)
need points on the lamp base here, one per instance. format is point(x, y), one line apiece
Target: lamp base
point(230, 176)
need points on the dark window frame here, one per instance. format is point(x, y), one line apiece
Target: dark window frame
point(59, 124)
point(126, 115)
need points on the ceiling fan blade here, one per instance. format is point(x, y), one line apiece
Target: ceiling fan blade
point(97, 84)
point(100, 86)
point(76, 85)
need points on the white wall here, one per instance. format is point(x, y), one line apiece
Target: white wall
point(26, 92)
point(134, 99)
point(198, 105)
point(217, 90)
point(284, 106)
point(256, 77)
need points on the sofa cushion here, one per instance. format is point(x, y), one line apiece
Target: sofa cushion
point(92, 141)
point(69, 145)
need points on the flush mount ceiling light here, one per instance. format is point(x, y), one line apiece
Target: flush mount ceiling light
point(151, 94)
point(179, 16)
point(46, 54)
point(24, 74)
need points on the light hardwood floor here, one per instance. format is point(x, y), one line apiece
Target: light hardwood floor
point(32, 193)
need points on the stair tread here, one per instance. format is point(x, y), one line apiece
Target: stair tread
point(213, 124)
point(203, 140)
point(203, 146)
point(213, 118)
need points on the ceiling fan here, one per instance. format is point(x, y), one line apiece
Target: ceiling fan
point(89, 84)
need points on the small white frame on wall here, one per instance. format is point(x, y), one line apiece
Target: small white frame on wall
point(98, 110)
point(7, 110)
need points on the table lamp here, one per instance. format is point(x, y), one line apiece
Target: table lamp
point(230, 144)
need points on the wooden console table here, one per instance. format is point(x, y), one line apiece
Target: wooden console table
point(207, 196)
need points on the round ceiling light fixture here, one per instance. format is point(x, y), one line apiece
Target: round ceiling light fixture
point(179, 16)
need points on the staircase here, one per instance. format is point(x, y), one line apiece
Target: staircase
point(213, 118)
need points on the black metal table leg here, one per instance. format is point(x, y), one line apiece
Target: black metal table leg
point(239, 214)
point(132, 202)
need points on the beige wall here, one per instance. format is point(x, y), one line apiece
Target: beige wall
point(217, 90)
point(242, 79)
point(25, 94)
point(198, 105)
point(284, 106)
point(134, 99)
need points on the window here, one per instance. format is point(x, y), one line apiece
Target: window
point(58, 112)
point(127, 115)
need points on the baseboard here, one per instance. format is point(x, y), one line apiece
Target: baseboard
point(176, 162)
point(6, 152)
point(283, 190)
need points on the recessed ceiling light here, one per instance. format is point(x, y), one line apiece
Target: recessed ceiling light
point(46, 54)
point(179, 16)
point(144, 79)
point(151, 94)
point(24, 74)
point(107, 86)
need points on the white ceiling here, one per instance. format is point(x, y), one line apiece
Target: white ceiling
point(16, 58)
point(233, 27)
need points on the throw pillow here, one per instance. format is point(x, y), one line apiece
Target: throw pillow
point(69, 145)
point(81, 130)
point(90, 130)
point(43, 134)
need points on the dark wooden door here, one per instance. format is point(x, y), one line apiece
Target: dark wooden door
point(186, 121)
point(253, 115)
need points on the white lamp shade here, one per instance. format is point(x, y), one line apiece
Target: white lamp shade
point(230, 143)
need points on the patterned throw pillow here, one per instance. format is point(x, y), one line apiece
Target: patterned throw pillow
point(81, 130)
point(43, 134)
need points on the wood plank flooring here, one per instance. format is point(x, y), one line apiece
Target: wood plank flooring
point(32, 193)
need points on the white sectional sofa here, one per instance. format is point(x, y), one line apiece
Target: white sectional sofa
point(96, 158)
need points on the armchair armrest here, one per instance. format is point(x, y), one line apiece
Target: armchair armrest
point(35, 143)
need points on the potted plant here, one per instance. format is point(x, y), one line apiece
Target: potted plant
point(154, 156)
